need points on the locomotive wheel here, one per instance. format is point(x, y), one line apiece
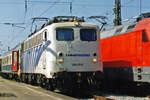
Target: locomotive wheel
point(49, 87)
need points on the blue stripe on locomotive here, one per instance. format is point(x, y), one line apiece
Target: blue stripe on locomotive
point(32, 56)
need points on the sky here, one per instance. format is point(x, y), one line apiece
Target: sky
point(15, 11)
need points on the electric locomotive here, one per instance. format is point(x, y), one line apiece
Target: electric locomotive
point(125, 51)
point(64, 54)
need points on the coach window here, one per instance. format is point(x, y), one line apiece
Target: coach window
point(64, 34)
point(144, 36)
point(88, 35)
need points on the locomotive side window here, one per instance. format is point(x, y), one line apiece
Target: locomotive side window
point(30, 43)
point(25, 46)
point(88, 35)
point(41, 37)
point(36, 39)
point(33, 41)
point(45, 36)
point(144, 36)
point(64, 34)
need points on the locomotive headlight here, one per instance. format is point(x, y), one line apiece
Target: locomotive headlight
point(60, 60)
point(94, 60)
point(76, 23)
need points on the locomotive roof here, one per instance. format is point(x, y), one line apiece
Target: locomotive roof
point(142, 20)
point(59, 19)
point(60, 24)
point(117, 30)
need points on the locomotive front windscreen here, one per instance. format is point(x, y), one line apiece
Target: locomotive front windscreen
point(88, 35)
point(64, 34)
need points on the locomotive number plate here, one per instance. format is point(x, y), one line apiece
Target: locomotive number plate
point(77, 64)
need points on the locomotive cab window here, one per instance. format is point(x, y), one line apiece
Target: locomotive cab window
point(144, 36)
point(88, 35)
point(64, 34)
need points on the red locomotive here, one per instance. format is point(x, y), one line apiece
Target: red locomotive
point(126, 51)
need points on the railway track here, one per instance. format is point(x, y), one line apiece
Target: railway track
point(102, 94)
point(116, 93)
point(89, 95)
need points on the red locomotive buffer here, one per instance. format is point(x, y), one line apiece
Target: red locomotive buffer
point(125, 52)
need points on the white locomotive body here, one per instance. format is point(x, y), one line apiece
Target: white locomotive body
point(62, 52)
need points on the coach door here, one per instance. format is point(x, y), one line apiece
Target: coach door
point(15, 60)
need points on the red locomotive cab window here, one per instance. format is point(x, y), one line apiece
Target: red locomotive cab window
point(144, 36)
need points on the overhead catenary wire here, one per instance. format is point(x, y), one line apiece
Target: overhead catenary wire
point(28, 3)
point(125, 5)
point(54, 3)
point(107, 13)
point(66, 3)
point(129, 2)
